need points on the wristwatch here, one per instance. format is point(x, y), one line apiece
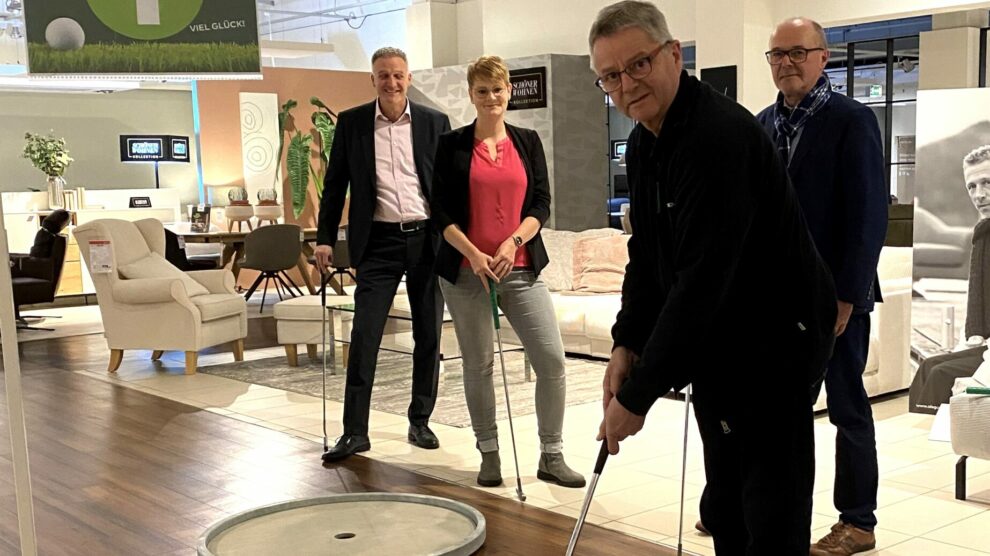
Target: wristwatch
point(517, 240)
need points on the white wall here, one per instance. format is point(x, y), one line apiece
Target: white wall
point(91, 124)
point(515, 28)
point(833, 12)
point(352, 47)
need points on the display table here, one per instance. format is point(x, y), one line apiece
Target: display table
point(233, 251)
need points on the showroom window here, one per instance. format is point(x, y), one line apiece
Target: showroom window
point(983, 57)
point(875, 66)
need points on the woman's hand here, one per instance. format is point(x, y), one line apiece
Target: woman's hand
point(504, 258)
point(481, 267)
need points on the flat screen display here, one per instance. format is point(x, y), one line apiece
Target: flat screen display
point(618, 149)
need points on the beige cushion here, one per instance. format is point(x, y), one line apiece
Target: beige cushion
point(155, 266)
point(600, 264)
point(559, 272)
point(213, 306)
point(307, 307)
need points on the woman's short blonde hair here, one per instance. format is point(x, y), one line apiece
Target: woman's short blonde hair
point(487, 68)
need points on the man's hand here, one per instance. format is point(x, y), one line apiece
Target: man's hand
point(619, 424)
point(504, 258)
point(616, 373)
point(845, 311)
point(324, 256)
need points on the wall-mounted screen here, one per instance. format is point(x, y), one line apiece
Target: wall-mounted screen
point(154, 148)
point(618, 149)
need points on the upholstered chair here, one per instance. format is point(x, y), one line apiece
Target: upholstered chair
point(149, 304)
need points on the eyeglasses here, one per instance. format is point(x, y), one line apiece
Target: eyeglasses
point(638, 69)
point(797, 55)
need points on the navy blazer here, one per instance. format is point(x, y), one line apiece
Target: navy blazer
point(837, 171)
point(451, 188)
point(352, 163)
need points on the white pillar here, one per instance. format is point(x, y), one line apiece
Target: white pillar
point(15, 405)
point(739, 39)
point(949, 57)
point(431, 34)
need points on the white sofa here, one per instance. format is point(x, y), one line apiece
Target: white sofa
point(585, 320)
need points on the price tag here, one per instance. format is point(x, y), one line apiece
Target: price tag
point(341, 234)
point(182, 243)
point(302, 236)
point(100, 257)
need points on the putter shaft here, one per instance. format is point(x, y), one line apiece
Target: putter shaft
point(599, 466)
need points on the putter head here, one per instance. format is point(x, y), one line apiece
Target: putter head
point(519, 493)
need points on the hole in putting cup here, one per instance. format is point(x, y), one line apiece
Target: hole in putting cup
point(344, 536)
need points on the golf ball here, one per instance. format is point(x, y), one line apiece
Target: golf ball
point(65, 34)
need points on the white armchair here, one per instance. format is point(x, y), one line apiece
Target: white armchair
point(146, 303)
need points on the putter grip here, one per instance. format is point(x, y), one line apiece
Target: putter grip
point(494, 299)
point(602, 456)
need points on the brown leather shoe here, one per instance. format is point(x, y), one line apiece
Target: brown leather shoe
point(844, 540)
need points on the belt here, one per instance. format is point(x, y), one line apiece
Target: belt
point(403, 227)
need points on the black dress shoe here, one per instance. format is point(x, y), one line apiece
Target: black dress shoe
point(422, 436)
point(347, 445)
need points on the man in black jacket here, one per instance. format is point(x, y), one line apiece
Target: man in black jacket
point(724, 289)
point(833, 151)
point(384, 151)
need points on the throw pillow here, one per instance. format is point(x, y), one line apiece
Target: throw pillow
point(558, 275)
point(155, 266)
point(600, 264)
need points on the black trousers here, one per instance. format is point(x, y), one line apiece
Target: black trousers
point(856, 471)
point(759, 448)
point(390, 254)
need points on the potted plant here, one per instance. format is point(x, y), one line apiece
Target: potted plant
point(48, 154)
point(298, 162)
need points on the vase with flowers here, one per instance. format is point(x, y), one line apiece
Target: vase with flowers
point(48, 154)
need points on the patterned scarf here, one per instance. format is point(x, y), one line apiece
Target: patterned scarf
point(789, 122)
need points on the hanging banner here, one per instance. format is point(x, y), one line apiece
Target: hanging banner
point(139, 37)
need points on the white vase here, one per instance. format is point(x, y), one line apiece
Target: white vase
point(56, 188)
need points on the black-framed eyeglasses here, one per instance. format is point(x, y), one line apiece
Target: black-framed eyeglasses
point(638, 69)
point(797, 55)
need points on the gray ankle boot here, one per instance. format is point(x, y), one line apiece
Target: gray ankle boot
point(491, 469)
point(553, 469)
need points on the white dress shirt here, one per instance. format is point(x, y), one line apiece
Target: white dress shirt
point(400, 196)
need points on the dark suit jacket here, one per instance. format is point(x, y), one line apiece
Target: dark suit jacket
point(837, 171)
point(451, 187)
point(352, 161)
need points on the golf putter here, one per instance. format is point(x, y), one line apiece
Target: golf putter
point(599, 466)
point(323, 331)
point(505, 384)
point(680, 523)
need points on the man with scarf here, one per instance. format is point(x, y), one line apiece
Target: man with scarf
point(834, 155)
point(932, 384)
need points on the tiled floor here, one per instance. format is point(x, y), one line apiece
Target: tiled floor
point(639, 492)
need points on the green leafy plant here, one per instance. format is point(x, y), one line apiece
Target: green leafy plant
point(298, 158)
point(47, 153)
point(297, 161)
point(323, 121)
point(283, 117)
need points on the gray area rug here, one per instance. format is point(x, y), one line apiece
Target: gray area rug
point(393, 381)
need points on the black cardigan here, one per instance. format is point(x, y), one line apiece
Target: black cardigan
point(449, 201)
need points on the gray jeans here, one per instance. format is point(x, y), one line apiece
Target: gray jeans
point(526, 302)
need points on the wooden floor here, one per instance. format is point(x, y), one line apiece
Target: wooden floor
point(117, 471)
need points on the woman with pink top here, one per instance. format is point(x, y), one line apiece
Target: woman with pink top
point(490, 197)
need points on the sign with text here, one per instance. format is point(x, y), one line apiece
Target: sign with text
point(154, 148)
point(529, 88)
point(150, 37)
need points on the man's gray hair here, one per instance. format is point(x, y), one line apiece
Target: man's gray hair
point(976, 156)
point(388, 52)
point(630, 13)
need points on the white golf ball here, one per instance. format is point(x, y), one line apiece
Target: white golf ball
point(65, 34)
